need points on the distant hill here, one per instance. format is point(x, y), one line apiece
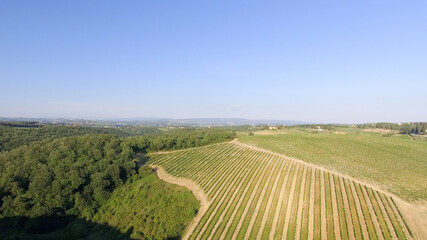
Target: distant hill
point(160, 122)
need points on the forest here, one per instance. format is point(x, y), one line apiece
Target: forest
point(71, 172)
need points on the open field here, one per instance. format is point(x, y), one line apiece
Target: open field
point(257, 194)
point(396, 163)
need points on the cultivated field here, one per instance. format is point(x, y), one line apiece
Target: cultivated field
point(256, 194)
point(395, 163)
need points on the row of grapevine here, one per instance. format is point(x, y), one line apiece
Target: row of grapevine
point(257, 194)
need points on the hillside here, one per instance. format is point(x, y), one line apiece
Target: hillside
point(256, 194)
point(395, 163)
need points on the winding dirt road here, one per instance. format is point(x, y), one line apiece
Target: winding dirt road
point(194, 188)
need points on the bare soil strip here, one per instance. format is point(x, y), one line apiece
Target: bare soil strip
point(279, 205)
point(335, 208)
point(225, 171)
point(270, 199)
point(311, 212)
point(233, 215)
point(386, 217)
point(230, 201)
point(289, 206)
point(223, 174)
point(415, 213)
point(363, 225)
point(245, 211)
point(323, 213)
point(373, 215)
point(396, 213)
point(347, 210)
point(368, 184)
point(258, 205)
point(300, 205)
point(237, 173)
point(194, 188)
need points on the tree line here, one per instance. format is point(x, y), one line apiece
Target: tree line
point(403, 128)
point(76, 175)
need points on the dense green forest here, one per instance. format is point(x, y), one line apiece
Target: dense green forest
point(179, 139)
point(13, 135)
point(73, 177)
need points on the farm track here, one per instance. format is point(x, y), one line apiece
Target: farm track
point(256, 194)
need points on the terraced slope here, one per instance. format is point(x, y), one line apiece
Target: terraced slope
point(255, 194)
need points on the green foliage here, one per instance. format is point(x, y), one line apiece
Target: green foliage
point(45, 176)
point(404, 128)
point(388, 134)
point(149, 208)
point(73, 175)
point(145, 171)
point(251, 134)
point(139, 130)
point(179, 139)
point(17, 134)
point(395, 163)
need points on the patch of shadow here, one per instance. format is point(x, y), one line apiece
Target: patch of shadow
point(57, 227)
point(141, 159)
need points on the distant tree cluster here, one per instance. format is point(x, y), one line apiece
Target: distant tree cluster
point(20, 124)
point(140, 130)
point(179, 139)
point(17, 134)
point(403, 128)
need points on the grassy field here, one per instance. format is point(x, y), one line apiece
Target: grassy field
point(395, 163)
point(256, 194)
point(148, 208)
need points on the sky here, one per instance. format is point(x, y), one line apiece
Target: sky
point(316, 61)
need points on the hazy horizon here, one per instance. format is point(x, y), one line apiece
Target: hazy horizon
point(323, 62)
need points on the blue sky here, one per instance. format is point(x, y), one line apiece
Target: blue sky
point(317, 61)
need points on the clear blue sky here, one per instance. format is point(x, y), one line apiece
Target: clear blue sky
point(318, 61)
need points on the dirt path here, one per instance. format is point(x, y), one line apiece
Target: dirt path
point(368, 184)
point(324, 229)
point(415, 212)
point(311, 211)
point(347, 210)
point(396, 213)
point(289, 205)
point(335, 209)
point(279, 205)
point(194, 188)
point(301, 203)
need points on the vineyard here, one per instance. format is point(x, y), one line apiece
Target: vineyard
point(256, 194)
